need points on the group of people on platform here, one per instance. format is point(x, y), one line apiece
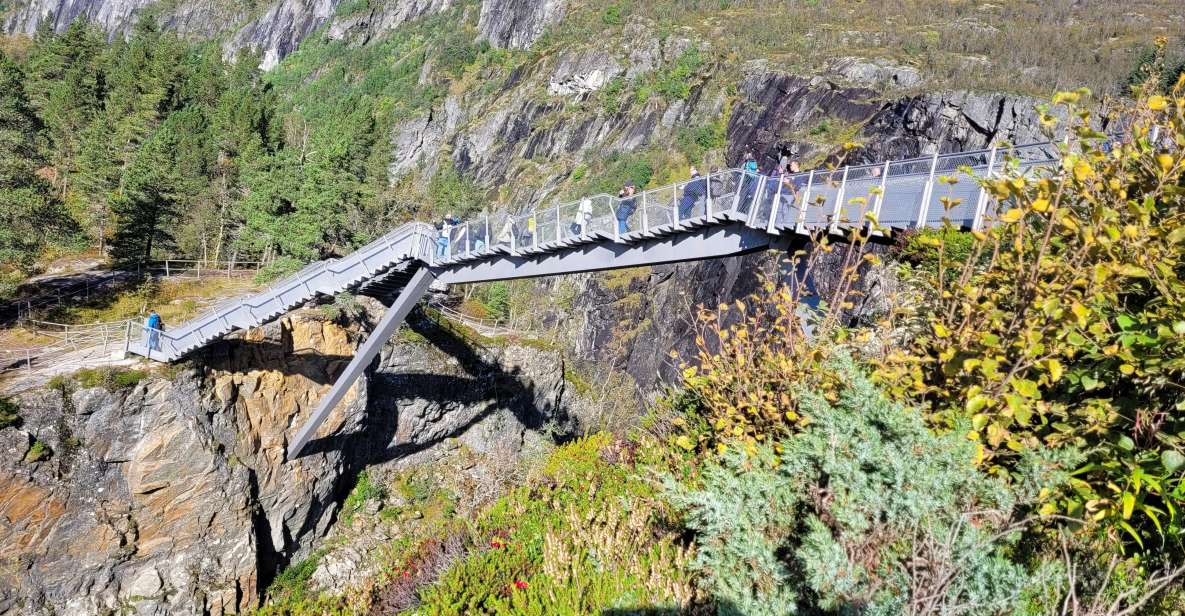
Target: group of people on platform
point(784, 179)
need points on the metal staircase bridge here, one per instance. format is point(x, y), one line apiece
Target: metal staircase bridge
point(728, 213)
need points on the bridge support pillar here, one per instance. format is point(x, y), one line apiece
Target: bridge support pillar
point(415, 289)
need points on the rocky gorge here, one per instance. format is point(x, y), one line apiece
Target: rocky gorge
point(172, 495)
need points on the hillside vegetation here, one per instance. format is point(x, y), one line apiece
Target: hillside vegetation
point(155, 146)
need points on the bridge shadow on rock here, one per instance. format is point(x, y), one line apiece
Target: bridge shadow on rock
point(449, 404)
point(247, 355)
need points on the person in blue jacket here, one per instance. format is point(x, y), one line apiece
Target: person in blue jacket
point(153, 326)
point(625, 207)
point(748, 181)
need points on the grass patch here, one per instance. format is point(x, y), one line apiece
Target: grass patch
point(111, 379)
point(621, 279)
point(579, 383)
point(365, 490)
point(38, 452)
point(289, 595)
point(175, 300)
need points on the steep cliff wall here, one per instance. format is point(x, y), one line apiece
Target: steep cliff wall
point(172, 495)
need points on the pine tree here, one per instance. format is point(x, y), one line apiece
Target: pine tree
point(65, 84)
point(29, 215)
point(145, 209)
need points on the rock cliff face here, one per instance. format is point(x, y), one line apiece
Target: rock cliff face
point(173, 496)
point(517, 24)
point(274, 30)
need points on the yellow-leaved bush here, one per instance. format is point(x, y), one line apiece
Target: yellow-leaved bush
point(1066, 326)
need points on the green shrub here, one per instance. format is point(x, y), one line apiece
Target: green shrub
point(582, 537)
point(841, 516)
point(38, 452)
point(9, 414)
point(674, 82)
point(1063, 328)
point(289, 594)
point(344, 306)
point(614, 14)
point(921, 250)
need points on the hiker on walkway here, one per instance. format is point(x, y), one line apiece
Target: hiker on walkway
point(626, 206)
point(153, 326)
point(442, 241)
point(749, 179)
point(527, 240)
point(584, 215)
point(693, 192)
point(507, 233)
point(718, 191)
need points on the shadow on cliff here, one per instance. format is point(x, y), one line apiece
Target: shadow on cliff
point(485, 385)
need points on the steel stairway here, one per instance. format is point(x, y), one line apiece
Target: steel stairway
point(727, 213)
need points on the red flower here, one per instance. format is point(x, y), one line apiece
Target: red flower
point(519, 584)
point(495, 544)
point(407, 574)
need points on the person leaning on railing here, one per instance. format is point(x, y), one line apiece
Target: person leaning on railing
point(153, 326)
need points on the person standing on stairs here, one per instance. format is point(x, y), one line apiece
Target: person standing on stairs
point(693, 192)
point(625, 207)
point(749, 177)
point(153, 326)
point(446, 227)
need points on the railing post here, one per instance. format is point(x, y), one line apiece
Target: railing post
point(755, 203)
point(800, 224)
point(486, 240)
point(616, 223)
point(708, 197)
point(127, 338)
point(837, 211)
point(28, 361)
point(736, 198)
point(675, 205)
point(880, 198)
point(924, 208)
point(981, 202)
point(775, 205)
point(645, 217)
point(166, 268)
